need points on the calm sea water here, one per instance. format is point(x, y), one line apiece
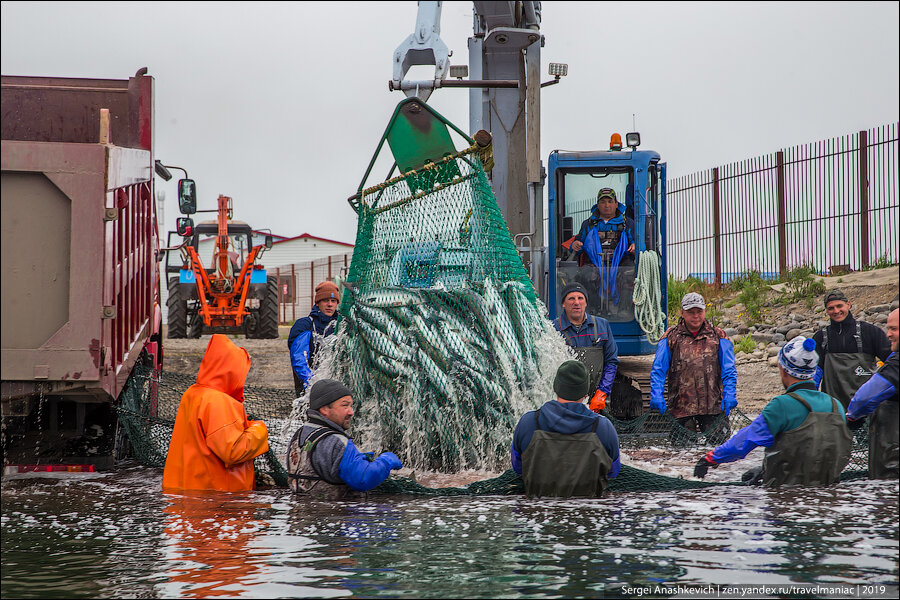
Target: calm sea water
point(117, 536)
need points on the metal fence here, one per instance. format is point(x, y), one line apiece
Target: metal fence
point(297, 284)
point(830, 204)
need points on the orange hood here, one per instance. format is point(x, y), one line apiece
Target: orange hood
point(224, 367)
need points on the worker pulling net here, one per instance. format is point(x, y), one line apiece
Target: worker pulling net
point(149, 403)
point(442, 340)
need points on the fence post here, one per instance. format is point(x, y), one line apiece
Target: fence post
point(293, 293)
point(717, 230)
point(864, 198)
point(782, 215)
point(280, 295)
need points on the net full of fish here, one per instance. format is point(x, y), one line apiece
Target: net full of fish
point(443, 375)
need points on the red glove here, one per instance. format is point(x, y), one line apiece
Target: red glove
point(598, 402)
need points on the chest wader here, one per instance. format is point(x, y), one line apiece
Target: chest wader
point(884, 456)
point(304, 480)
point(563, 465)
point(845, 372)
point(594, 359)
point(813, 454)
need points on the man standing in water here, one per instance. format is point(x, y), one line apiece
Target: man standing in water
point(213, 444)
point(593, 342)
point(698, 360)
point(307, 334)
point(322, 460)
point(563, 449)
point(803, 430)
point(881, 395)
point(847, 349)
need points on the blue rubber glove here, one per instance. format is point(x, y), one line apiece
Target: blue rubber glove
point(658, 405)
point(391, 460)
point(728, 404)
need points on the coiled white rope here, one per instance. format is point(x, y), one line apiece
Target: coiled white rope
point(648, 296)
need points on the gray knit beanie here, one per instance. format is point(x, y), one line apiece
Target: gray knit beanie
point(572, 380)
point(326, 391)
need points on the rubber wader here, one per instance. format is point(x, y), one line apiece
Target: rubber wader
point(594, 359)
point(564, 465)
point(813, 454)
point(884, 455)
point(845, 372)
point(304, 480)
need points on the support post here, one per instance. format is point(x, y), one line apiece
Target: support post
point(864, 198)
point(782, 215)
point(717, 229)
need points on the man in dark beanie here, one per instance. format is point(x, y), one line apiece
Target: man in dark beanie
point(563, 449)
point(307, 333)
point(592, 339)
point(322, 460)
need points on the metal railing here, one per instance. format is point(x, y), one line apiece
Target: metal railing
point(297, 284)
point(830, 204)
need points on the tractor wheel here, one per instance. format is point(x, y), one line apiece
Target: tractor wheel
point(177, 307)
point(267, 328)
point(195, 329)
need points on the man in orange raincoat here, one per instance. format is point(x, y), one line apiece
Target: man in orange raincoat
point(213, 443)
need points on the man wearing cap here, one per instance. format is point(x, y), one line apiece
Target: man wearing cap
point(307, 333)
point(563, 449)
point(593, 342)
point(606, 239)
point(880, 397)
point(698, 360)
point(847, 350)
point(322, 460)
point(803, 430)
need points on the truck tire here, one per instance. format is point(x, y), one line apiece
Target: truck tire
point(267, 328)
point(177, 308)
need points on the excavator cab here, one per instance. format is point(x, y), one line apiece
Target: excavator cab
point(599, 254)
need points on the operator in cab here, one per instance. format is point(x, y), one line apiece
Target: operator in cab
point(606, 240)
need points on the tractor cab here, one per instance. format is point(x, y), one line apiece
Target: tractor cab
point(597, 241)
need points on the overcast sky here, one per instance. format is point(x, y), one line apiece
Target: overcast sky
point(281, 105)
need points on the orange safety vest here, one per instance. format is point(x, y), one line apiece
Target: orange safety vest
point(213, 443)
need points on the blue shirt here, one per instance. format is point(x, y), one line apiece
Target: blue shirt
point(593, 332)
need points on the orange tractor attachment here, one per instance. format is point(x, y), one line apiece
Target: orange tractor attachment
point(228, 296)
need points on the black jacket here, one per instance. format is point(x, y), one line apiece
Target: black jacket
point(841, 338)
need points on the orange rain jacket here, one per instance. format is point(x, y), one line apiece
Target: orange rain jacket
point(213, 444)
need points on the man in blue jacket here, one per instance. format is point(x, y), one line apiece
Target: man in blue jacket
point(606, 239)
point(593, 340)
point(322, 460)
point(698, 360)
point(563, 449)
point(307, 333)
point(803, 430)
point(881, 395)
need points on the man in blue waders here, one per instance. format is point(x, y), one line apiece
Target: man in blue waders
point(563, 449)
point(803, 430)
point(592, 340)
point(880, 397)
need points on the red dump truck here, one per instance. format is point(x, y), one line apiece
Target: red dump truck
point(81, 291)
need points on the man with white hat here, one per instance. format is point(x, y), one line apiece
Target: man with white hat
point(698, 360)
point(803, 430)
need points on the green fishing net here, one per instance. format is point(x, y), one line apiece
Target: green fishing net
point(440, 329)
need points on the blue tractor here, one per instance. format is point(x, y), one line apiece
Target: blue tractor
point(639, 181)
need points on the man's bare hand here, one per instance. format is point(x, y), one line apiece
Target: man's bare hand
point(576, 246)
